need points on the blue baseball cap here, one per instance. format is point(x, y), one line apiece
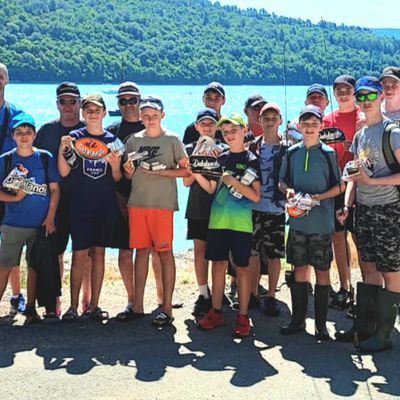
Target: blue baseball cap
point(22, 119)
point(369, 83)
point(207, 113)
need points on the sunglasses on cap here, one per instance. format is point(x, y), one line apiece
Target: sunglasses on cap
point(367, 97)
point(131, 101)
point(70, 102)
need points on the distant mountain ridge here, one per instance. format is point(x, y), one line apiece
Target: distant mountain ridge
point(180, 42)
point(388, 32)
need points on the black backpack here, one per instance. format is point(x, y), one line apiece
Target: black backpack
point(388, 153)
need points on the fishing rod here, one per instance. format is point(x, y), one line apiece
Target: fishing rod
point(351, 289)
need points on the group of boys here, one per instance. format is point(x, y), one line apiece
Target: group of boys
point(233, 218)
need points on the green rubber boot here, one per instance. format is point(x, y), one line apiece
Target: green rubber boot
point(299, 293)
point(365, 314)
point(386, 313)
point(321, 301)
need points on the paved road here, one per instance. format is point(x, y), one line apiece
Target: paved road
point(90, 360)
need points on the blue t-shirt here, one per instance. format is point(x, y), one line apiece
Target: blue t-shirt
point(93, 190)
point(310, 173)
point(32, 210)
point(9, 142)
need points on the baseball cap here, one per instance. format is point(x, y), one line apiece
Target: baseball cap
point(390, 72)
point(22, 119)
point(154, 102)
point(128, 88)
point(345, 80)
point(68, 89)
point(234, 119)
point(254, 100)
point(317, 88)
point(310, 109)
point(370, 83)
point(94, 98)
point(216, 86)
point(207, 113)
point(270, 106)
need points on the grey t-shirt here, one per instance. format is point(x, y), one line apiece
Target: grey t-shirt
point(367, 146)
point(153, 191)
point(394, 115)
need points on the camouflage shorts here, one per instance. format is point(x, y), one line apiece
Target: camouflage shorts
point(309, 249)
point(268, 234)
point(378, 235)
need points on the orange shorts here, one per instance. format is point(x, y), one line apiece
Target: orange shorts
point(151, 227)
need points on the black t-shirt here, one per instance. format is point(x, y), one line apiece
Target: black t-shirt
point(191, 135)
point(199, 201)
point(122, 130)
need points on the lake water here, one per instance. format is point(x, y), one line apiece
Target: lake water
point(181, 106)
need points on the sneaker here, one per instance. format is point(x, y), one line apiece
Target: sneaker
point(50, 317)
point(32, 317)
point(271, 307)
point(202, 306)
point(254, 301)
point(211, 320)
point(262, 291)
point(341, 301)
point(243, 327)
point(162, 319)
point(18, 304)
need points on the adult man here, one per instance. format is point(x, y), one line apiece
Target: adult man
point(7, 113)
point(128, 96)
point(252, 107)
point(213, 97)
point(317, 96)
point(390, 80)
point(346, 118)
point(49, 138)
point(377, 222)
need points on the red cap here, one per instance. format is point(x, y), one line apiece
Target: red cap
point(270, 106)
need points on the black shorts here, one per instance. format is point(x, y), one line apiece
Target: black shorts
point(87, 232)
point(63, 228)
point(197, 229)
point(309, 249)
point(349, 224)
point(268, 234)
point(378, 235)
point(120, 238)
point(222, 241)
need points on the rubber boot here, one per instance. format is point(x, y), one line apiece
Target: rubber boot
point(299, 293)
point(321, 301)
point(386, 313)
point(365, 314)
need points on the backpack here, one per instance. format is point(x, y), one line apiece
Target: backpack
point(388, 153)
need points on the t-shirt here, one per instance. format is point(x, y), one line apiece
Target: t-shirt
point(269, 202)
point(367, 145)
point(394, 115)
point(32, 210)
point(310, 173)
point(92, 184)
point(191, 135)
point(154, 191)
point(122, 130)
point(199, 201)
point(228, 211)
point(9, 142)
point(347, 123)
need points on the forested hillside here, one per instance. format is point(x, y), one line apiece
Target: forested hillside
point(187, 41)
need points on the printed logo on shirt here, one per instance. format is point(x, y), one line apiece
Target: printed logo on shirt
point(369, 155)
point(94, 169)
point(241, 166)
point(152, 151)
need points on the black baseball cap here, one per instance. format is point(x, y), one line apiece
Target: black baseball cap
point(128, 88)
point(154, 102)
point(345, 80)
point(317, 88)
point(207, 113)
point(68, 89)
point(391, 72)
point(254, 100)
point(94, 98)
point(310, 109)
point(215, 86)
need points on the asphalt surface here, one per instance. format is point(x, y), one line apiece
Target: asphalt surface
point(133, 360)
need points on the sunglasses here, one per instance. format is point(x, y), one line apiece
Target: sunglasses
point(124, 102)
point(367, 97)
point(64, 102)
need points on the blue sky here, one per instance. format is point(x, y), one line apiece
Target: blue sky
point(365, 13)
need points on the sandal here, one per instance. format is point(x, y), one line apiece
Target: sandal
point(99, 315)
point(128, 315)
point(50, 317)
point(70, 315)
point(162, 319)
